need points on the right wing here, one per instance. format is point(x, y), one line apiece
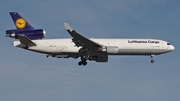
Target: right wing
point(80, 40)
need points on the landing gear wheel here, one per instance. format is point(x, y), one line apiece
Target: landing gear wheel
point(152, 56)
point(84, 63)
point(152, 61)
point(80, 63)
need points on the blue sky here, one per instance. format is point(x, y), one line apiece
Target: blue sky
point(27, 76)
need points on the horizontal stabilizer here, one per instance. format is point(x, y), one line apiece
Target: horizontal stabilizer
point(26, 41)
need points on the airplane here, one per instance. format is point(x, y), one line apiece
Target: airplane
point(79, 46)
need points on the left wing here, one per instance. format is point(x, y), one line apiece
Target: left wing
point(80, 40)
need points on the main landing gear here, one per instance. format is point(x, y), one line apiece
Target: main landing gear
point(152, 60)
point(83, 61)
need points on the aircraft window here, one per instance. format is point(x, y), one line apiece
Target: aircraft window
point(168, 44)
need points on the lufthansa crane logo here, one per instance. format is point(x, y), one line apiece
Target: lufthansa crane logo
point(20, 23)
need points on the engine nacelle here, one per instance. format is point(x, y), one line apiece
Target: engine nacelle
point(31, 34)
point(99, 58)
point(110, 49)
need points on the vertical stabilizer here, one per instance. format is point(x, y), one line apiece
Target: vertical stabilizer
point(20, 22)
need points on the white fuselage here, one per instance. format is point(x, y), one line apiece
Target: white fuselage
point(65, 46)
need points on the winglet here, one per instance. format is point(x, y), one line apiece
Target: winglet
point(67, 27)
point(24, 40)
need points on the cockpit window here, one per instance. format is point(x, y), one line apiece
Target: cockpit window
point(168, 44)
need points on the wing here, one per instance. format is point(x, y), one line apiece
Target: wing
point(80, 40)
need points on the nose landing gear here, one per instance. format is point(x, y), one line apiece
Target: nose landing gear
point(152, 60)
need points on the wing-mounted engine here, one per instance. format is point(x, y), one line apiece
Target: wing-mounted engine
point(99, 58)
point(109, 49)
point(31, 34)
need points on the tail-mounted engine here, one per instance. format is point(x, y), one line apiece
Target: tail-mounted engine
point(31, 34)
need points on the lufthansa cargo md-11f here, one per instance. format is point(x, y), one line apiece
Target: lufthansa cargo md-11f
point(92, 49)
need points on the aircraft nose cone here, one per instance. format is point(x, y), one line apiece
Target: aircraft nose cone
point(171, 48)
